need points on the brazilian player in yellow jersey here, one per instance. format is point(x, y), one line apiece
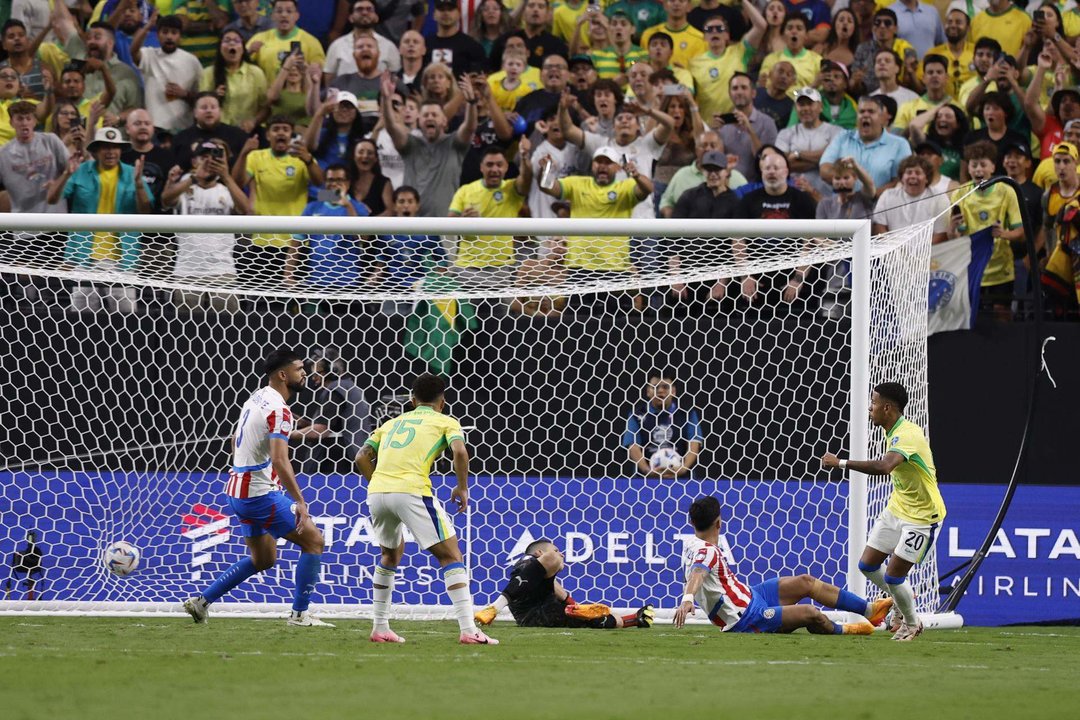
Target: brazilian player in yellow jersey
point(908, 525)
point(396, 461)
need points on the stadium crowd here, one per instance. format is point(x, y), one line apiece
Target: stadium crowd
point(578, 108)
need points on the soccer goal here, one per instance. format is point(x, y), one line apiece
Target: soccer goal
point(131, 342)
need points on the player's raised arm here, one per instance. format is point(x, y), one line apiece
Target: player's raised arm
point(882, 466)
point(365, 461)
point(279, 458)
point(686, 607)
point(460, 495)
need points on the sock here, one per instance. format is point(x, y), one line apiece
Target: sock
point(380, 596)
point(837, 628)
point(229, 579)
point(307, 574)
point(456, 574)
point(627, 620)
point(852, 603)
point(875, 575)
point(904, 598)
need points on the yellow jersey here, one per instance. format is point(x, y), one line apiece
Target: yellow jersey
point(502, 201)
point(589, 200)
point(689, 42)
point(983, 208)
point(909, 110)
point(807, 65)
point(276, 48)
point(915, 496)
point(281, 188)
point(959, 67)
point(1007, 27)
point(507, 99)
point(712, 75)
point(405, 448)
point(106, 246)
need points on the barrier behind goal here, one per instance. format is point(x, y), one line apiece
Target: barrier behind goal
point(126, 375)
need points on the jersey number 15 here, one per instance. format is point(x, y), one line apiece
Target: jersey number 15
point(403, 428)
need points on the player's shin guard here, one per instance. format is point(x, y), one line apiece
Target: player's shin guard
point(307, 574)
point(876, 575)
point(456, 578)
point(381, 593)
point(229, 579)
point(904, 598)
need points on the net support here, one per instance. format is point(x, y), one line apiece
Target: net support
point(859, 407)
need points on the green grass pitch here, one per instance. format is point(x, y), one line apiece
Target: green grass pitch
point(87, 668)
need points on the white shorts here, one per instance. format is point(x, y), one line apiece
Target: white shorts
point(891, 535)
point(424, 517)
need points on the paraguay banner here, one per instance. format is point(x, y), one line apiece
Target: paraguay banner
point(956, 270)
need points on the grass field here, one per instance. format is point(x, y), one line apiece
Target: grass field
point(58, 668)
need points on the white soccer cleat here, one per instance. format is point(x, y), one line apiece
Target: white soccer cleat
point(476, 637)
point(894, 620)
point(197, 608)
point(907, 633)
point(306, 619)
point(386, 636)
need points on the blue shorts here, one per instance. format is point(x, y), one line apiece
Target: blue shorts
point(270, 513)
point(763, 614)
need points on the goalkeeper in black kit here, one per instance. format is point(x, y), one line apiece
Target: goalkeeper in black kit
point(536, 598)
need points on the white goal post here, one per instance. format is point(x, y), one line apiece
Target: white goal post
point(125, 376)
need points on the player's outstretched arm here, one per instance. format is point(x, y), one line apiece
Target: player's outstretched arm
point(279, 458)
point(882, 466)
point(686, 607)
point(461, 470)
point(365, 461)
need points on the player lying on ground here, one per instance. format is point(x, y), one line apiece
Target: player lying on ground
point(536, 598)
point(908, 525)
point(772, 606)
point(396, 461)
point(261, 467)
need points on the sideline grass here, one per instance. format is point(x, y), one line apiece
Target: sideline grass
point(119, 668)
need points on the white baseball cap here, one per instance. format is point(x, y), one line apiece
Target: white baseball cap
point(607, 152)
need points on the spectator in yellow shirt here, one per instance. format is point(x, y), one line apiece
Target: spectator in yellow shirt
point(1004, 22)
point(687, 39)
point(270, 48)
point(807, 63)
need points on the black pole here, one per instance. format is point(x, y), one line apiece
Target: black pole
point(958, 590)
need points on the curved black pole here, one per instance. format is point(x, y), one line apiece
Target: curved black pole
point(958, 590)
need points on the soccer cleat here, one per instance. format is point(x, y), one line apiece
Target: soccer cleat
point(859, 628)
point(197, 609)
point(907, 633)
point(486, 616)
point(587, 611)
point(894, 620)
point(386, 636)
point(645, 616)
point(306, 619)
point(476, 637)
point(879, 610)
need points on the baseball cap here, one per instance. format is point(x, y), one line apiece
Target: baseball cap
point(607, 152)
point(446, 4)
point(1071, 124)
point(833, 65)
point(714, 158)
point(207, 148)
point(346, 96)
point(1019, 147)
point(578, 59)
point(809, 93)
point(107, 136)
point(929, 146)
point(1068, 149)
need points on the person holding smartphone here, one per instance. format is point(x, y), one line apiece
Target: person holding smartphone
point(270, 48)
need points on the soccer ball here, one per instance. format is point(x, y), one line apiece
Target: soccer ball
point(666, 459)
point(121, 558)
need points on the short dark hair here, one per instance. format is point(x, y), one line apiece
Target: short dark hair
point(915, 161)
point(703, 512)
point(894, 392)
point(794, 17)
point(170, 21)
point(102, 25)
point(277, 359)
point(663, 374)
point(280, 120)
point(663, 37)
point(536, 545)
point(12, 22)
point(886, 12)
point(876, 99)
point(981, 150)
point(987, 43)
point(610, 85)
point(21, 107)
point(295, 4)
point(406, 190)
point(427, 388)
point(935, 59)
point(207, 93)
point(739, 74)
point(492, 150)
point(1001, 100)
point(336, 166)
point(890, 51)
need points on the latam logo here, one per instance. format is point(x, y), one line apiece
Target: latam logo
point(207, 528)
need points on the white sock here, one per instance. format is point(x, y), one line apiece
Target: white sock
point(456, 574)
point(380, 597)
point(905, 600)
point(877, 576)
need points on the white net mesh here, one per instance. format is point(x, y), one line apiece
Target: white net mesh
point(125, 379)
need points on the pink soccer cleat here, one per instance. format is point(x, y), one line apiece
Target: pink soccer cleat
point(476, 637)
point(386, 636)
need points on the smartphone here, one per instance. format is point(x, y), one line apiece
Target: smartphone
point(327, 196)
point(76, 64)
point(673, 89)
point(297, 139)
point(81, 122)
point(594, 6)
point(728, 118)
point(294, 47)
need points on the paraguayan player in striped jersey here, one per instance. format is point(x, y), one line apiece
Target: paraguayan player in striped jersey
point(261, 467)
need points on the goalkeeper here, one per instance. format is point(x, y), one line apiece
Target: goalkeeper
point(536, 598)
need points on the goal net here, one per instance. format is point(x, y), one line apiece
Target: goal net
point(131, 343)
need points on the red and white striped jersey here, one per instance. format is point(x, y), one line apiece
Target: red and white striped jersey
point(722, 596)
point(264, 416)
